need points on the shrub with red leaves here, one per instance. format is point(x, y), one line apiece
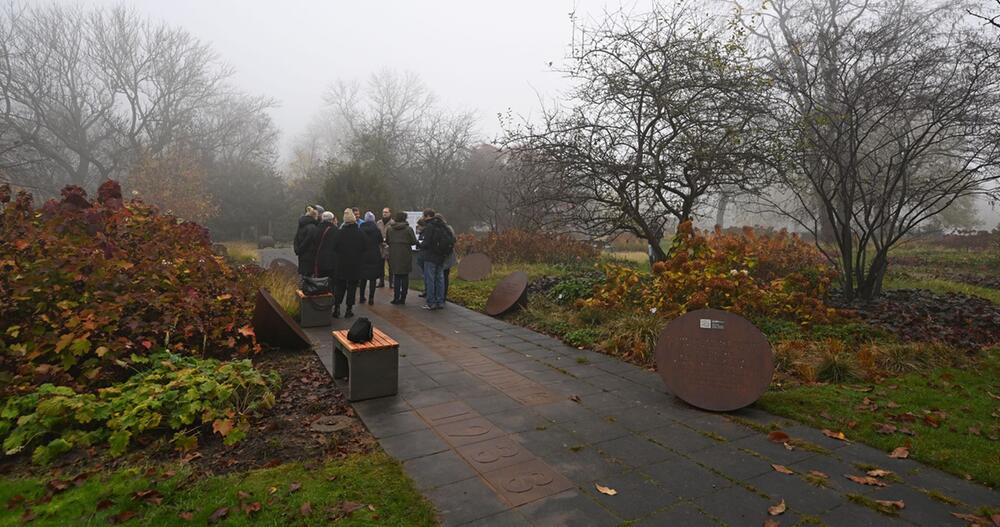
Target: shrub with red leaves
point(86, 286)
point(531, 247)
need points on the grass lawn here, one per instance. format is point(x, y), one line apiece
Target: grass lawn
point(910, 280)
point(960, 443)
point(290, 494)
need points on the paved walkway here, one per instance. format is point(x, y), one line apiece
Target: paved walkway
point(485, 425)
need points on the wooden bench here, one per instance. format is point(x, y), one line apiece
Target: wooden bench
point(371, 368)
point(314, 310)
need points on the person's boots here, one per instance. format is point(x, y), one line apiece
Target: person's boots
point(350, 312)
point(336, 311)
point(371, 299)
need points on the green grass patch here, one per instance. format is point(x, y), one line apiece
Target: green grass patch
point(865, 501)
point(960, 444)
point(282, 493)
point(938, 285)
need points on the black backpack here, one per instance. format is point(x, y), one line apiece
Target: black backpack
point(444, 241)
point(361, 331)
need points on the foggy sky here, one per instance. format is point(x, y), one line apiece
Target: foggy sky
point(474, 55)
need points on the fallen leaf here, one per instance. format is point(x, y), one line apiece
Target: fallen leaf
point(975, 430)
point(901, 452)
point(834, 435)
point(885, 428)
point(605, 490)
point(996, 519)
point(27, 516)
point(251, 508)
point(788, 446)
point(775, 510)
point(294, 487)
point(865, 480)
point(891, 504)
point(219, 514)
point(971, 518)
point(574, 398)
point(58, 485)
point(242, 495)
point(305, 509)
point(350, 506)
point(104, 504)
point(819, 474)
point(777, 436)
point(783, 469)
point(121, 517)
point(186, 515)
point(879, 473)
point(15, 501)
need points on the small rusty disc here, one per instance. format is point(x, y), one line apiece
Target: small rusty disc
point(273, 325)
point(714, 360)
point(281, 265)
point(510, 292)
point(474, 267)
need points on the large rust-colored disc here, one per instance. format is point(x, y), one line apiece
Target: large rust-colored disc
point(474, 267)
point(281, 265)
point(510, 292)
point(273, 325)
point(714, 360)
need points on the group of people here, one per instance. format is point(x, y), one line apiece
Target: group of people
point(355, 253)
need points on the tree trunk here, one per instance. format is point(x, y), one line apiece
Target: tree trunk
point(720, 214)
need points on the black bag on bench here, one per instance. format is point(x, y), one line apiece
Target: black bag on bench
point(361, 331)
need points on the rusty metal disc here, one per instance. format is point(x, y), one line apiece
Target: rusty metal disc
point(273, 325)
point(714, 360)
point(281, 265)
point(474, 267)
point(510, 292)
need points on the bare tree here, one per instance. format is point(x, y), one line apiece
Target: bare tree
point(895, 112)
point(86, 92)
point(666, 109)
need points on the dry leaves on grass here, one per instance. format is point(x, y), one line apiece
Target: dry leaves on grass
point(879, 473)
point(218, 515)
point(818, 474)
point(121, 517)
point(350, 506)
point(305, 509)
point(783, 469)
point(865, 480)
point(605, 490)
point(900, 453)
point(775, 510)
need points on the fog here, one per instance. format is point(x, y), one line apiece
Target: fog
point(488, 57)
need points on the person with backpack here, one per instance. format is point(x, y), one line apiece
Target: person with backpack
point(438, 242)
point(450, 262)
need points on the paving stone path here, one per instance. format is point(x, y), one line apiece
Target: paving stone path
point(485, 425)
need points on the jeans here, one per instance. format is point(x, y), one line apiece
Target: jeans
point(434, 283)
point(400, 284)
point(344, 288)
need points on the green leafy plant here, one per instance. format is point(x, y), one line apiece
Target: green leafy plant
point(174, 393)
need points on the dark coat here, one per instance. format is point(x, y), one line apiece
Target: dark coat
point(400, 238)
point(371, 259)
point(305, 244)
point(349, 246)
point(326, 257)
point(433, 230)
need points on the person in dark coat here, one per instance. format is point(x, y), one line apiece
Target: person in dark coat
point(371, 259)
point(434, 238)
point(306, 240)
point(349, 245)
point(326, 258)
point(401, 239)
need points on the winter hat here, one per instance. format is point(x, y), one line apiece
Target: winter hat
point(349, 216)
point(369, 216)
point(319, 209)
point(328, 216)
